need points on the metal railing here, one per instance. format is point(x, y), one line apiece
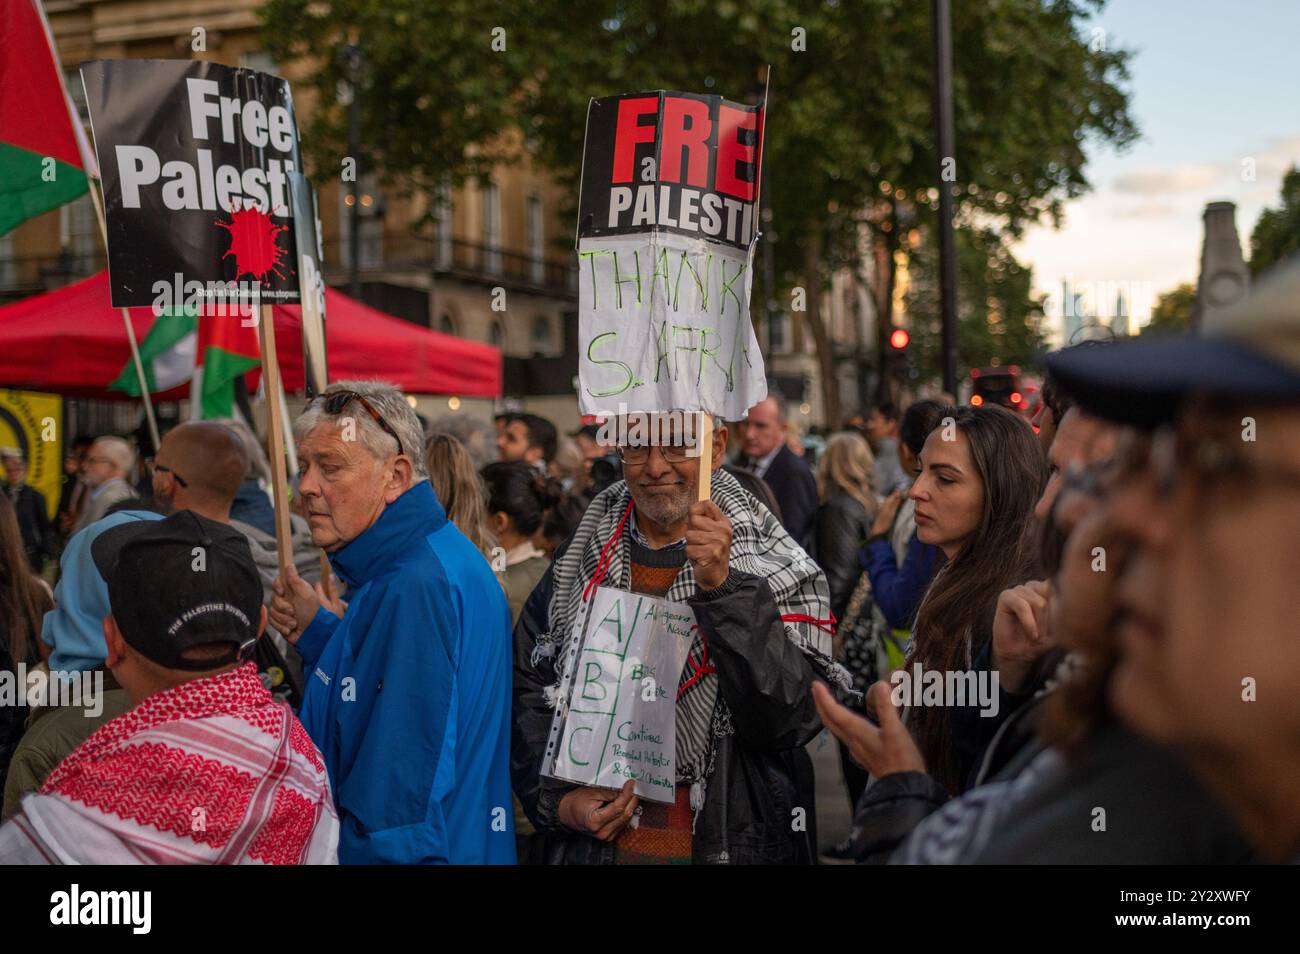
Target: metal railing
point(23, 275)
point(470, 261)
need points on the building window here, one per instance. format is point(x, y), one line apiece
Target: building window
point(497, 334)
point(77, 93)
point(79, 234)
point(259, 60)
point(446, 325)
point(8, 267)
point(541, 335)
point(442, 236)
point(536, 252)
point(491, 228)
point(370, 227)
point(778, 331)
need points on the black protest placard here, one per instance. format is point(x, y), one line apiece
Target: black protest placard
point(675, 162)
point(195, 160)
point(306, 234)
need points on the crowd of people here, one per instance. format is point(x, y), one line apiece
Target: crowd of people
point(1069, 638)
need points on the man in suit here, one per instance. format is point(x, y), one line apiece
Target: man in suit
point(29, 506)
point(108, 465)
point(764, 452)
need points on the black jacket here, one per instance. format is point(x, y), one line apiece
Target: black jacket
point(1156, 813)
point(761, 773)
point(842, 527)
point(795, 490)
point(38, 535)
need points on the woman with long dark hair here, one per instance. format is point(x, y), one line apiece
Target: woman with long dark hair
point(518, 498)
point(24, 600)
point(982, 471)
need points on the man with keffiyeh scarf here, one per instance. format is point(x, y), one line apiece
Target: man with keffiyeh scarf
point(744, 707)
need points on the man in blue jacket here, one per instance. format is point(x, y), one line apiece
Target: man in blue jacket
point(408, 694)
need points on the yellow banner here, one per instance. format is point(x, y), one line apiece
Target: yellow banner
point(32, 422)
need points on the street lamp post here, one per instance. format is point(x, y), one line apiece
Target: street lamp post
point(350, 55)
point(943, 124)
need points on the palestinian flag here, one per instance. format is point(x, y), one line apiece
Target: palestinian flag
point(226, 350)
point(208, 352)
point(44, 154)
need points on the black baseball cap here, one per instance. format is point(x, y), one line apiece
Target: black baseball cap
point(180, 582)
point(1249, 351)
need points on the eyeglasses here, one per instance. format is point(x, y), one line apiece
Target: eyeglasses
point(157, 468)
point(1212, 461)
point(336, 401)
point(673, 453)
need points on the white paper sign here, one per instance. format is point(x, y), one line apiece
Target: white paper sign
point(664, 324)
point(619, 720)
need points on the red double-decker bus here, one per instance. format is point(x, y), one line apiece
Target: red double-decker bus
point(1001, 385)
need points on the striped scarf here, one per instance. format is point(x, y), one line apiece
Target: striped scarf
point(759, 546)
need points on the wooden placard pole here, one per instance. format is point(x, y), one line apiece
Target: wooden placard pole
point(705, 432)
point(275, 432)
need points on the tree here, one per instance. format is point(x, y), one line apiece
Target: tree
point(999, 320)
point(435, 98)
point(1172, 312)
point(849, 139)
point(1277, 233)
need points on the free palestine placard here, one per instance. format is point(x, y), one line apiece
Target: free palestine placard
point(195, 160)
point(668, 221)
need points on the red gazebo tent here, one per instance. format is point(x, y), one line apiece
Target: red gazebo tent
point(72, 342)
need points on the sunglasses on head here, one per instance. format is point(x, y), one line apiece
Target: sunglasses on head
point(335, 401)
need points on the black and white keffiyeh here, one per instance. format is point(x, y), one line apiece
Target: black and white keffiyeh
point(759, 546)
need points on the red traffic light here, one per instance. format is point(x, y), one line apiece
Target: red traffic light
point(899, 339)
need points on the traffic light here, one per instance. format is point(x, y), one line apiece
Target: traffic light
point(899, 359)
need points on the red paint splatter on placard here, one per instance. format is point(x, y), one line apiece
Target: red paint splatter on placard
point(252, 242)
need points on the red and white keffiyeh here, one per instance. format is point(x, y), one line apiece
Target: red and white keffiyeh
point(213, 771)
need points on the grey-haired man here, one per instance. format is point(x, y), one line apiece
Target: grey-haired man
point(408, 694)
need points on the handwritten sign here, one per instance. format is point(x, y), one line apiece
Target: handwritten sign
point(619, 720)
point(668, 222)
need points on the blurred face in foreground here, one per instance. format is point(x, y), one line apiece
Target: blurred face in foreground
point(1208, 612)
point(344, 487)
point(949, 492)
point(1080, 440)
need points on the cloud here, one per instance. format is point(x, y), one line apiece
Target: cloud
point(1169, 180)
point(1146, 210)
point(1267, 163)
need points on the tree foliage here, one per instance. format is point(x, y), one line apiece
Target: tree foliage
point(999, 320)
point(849, 137)
point(1277, 233)
point(1172, 312)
